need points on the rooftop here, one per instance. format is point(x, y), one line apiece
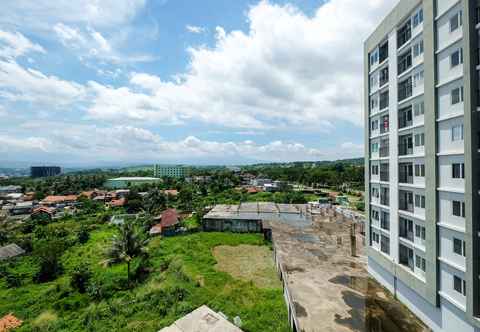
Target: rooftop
point(134, 178)
point(329, 289)
point(202, 319)
point(10, 250)
point(289, 213)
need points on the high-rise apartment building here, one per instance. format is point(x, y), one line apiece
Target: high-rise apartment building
point(422, 165)
point(44, 171)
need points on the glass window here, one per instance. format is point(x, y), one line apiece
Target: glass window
point(458, 171)
point(457, 133)
point(456, 58)
point(420, 139)
point(457, 95)
point(455, 21)
point(458, 209)
point(420, 201)
point(459, 247)
point(419, 108)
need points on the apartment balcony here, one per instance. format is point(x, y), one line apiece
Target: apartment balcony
point(385, 197)
point(406, 257)
point(383, 52)
point(385, 223)
point(405, 89)
point(384, 100)
point(405, 202)
point(384, 76)
point(404, 62)
point(405, 118)
point(404, 34)
point(385, 176)
point(405, 173)
point(384, 151)
point(405, 230)
point(405, 149)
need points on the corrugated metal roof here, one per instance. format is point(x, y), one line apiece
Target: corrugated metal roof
point(10, 250)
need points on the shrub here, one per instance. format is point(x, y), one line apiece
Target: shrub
point(13, 280)
point(46, 321)
point(83, 235)
point(80, 278)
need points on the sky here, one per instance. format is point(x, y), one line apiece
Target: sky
point(97, 82)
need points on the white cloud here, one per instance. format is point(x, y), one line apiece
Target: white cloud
point(289, 70)
point(128, 143)
point(195, 29)
point(41, 15)
point(90, 44)
point(20, 84)
point(13, 45)
point(352, 147)
point(12, 144)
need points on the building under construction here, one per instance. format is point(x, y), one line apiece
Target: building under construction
point(248, 217)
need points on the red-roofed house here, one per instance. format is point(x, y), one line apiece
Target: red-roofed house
point(171, 192)
point(43, 211)
point(168, 224)
point(54, 200)
point(9, 322)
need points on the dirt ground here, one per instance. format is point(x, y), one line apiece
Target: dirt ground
point(248, 263)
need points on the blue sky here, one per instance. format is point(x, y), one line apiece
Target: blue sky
point(93, 82)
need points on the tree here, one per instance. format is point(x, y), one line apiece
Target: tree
point(49, 252)
point(127, 245)
point(155, 201)
point(83, 235)
point(80, 278)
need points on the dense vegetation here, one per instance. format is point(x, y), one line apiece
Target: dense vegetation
point(335, 175)
point(68, 282)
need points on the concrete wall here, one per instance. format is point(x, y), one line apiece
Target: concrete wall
point(232, 225)
point(445, 209)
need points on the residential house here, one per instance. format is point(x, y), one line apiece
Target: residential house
point(59, 200)
point(10, 251)
point(169, 222)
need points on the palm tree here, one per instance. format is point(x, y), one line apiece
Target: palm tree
point(127, 245)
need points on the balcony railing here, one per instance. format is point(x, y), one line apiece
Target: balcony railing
point(385, 223)
point(405, 90)
point(406, 257)
point(404, 34)
point(383, 52)
point(405, 149)
point(404, 63)
point(384, 76)
point(385, 197)
point(405, 204)
point(383, 100)
point(385, 176)
point(404, 120)
point(384, 151)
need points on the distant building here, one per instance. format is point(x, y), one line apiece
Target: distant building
point(174, 171)
point(202, 319)
point(125, 182)
point(21, 208)
point(10, 190)
point(44, 171)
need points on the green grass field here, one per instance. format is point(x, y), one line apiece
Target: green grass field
point(182, 276)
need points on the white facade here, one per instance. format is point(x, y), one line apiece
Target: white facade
point(405, 179)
